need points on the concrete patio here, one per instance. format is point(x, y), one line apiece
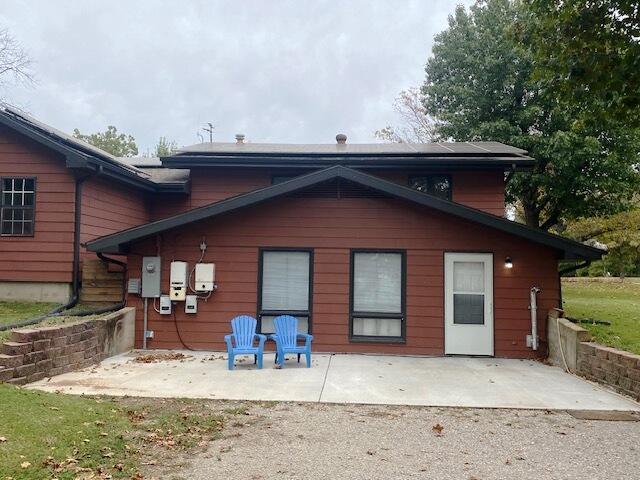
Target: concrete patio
point(370, 379)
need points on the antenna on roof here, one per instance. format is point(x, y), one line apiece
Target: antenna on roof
point(209, 129)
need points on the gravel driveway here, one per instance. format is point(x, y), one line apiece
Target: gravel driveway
point(326, 441)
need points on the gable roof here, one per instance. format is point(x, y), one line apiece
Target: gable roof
point(80, 154)
point(118, 242)
point(373, 155)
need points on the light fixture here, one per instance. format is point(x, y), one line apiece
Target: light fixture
point(508, 263)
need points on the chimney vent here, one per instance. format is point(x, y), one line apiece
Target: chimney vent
point(341, 138)
point(239, 138)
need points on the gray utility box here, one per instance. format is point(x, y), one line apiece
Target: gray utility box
point(151, 267)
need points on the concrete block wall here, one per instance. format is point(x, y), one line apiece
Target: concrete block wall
point(36, 353)
point(618, 369)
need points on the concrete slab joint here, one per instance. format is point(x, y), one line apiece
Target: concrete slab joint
point(32, 354)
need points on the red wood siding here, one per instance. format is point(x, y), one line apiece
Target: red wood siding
point(332, 227)
point(108, 207)
point(47, 256)
point(483, 190)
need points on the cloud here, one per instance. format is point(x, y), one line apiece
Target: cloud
point(278, 71)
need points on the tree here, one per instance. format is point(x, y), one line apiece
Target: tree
point(118, 145)
point(589, 51)
point(14, 61)
point(620, 233)
point(164, 148)
point(416, 127)
point(480, 85)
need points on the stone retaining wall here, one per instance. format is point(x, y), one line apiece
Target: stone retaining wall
point(36, 353)
point(616, 368)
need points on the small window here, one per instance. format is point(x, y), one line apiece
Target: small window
point(17, 206)
point(285, 281)
point(378, 296)
point(437, 185)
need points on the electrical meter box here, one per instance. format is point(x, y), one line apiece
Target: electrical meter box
point(178, 281)
point(205, 277)
point(151, 267)
point(191, 304)
point(165, 305)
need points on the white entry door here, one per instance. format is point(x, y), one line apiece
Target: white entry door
point(468, 304)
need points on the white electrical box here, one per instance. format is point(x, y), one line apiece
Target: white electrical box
point(178, 279)
point(205, 277)
point(165, 305)
point(191, 304)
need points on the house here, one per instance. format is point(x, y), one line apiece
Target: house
point(383, 248)
point(57, 193)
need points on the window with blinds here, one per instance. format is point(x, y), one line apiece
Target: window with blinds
point(377, 295)
point(285, 287)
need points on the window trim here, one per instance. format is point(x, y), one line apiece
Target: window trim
point(403, 300)
point(295, 313)
point(429, 175)
point(33, 207)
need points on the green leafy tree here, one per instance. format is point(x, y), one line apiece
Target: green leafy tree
point(164, 148)
point(480, 85)
point(621, 235)
point(117, 144)
point(589, 51)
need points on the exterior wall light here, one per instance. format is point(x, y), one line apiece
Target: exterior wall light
point(508, 263)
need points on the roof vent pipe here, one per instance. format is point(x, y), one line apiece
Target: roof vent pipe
point(239, 138)
point(341, 138)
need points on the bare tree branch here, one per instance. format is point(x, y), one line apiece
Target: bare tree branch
point(416, 127)
point(15, 64)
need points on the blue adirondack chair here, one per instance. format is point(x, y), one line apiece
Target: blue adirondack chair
point(286, 338)
point(242, 340)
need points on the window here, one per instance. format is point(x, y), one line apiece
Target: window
point(438, 185)
point(468, 293)
point(378, 296)
point(285, 287)
point(17, 206)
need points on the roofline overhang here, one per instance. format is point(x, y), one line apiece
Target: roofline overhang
point(77, 160)
point(366, 161)
point(119, 242)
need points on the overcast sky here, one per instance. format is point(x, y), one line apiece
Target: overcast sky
point(278, 71)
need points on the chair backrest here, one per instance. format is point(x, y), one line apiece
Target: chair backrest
point(244, 330)
point(286, 329)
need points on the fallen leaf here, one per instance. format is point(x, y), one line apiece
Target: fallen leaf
point(25, 464)
point(3, 439)
point(437, 428)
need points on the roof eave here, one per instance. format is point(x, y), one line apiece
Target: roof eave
point(117, 242)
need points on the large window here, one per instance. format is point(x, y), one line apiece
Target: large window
point(378, 296)
point(285, 287)
point(17, 206)
point(436, 184)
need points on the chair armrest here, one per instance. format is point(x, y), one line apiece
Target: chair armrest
point(227, 339)
point(261, 339)
point(307, 338)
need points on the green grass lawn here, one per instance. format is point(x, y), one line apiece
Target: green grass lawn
point(11, 312)
point(613, 301)
point(48, 435)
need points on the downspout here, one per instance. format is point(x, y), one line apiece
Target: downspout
point(533, 306)
point(75, 281)
point(570, 269)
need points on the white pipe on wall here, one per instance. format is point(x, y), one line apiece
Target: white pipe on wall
point(533, 306)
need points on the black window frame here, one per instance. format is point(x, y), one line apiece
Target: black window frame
point(430, 176)
point(32, 207)
point(403, 300)
point(274, 313)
